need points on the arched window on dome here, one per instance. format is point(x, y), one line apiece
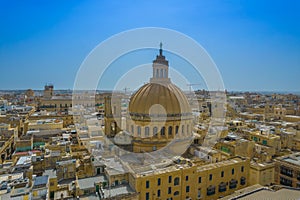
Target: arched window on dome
point(163, 131)
point(139, 131)
point(161, 73)
point(170, 130)
point(157, 73)
point(176, 130)
point(155, 131)
point(147, 131)
point(187, 129)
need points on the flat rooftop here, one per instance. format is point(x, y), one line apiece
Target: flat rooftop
point(45, 121)
point(86, 183)
point(294, 160)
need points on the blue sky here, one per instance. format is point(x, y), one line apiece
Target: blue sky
point(255, 44)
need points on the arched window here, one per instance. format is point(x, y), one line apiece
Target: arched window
point(157, 73)
point(176, 181)
point(139, 131)
point(170, 129)
point(163, 131)
point(155, 131)
point(232, 184)
point(147, 131)
point(161, 73)
point(188, 129)
point(243, 180)
point(176, 129)
point(222, 187)
point(211, 190)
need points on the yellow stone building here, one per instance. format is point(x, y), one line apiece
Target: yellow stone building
point(236, 146)
point(189, 181)
point(262, 173)
point(45, 124)
point(266, 139)
point(8, 137)
point(287, 170)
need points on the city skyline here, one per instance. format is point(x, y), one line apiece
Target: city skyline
point(254, 45)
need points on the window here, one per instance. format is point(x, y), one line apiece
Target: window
point(187, 178)
point(182, 129)
point(154, 130)
point(158, 181)
point(170, 130)
point(163, 131)
point(199, 179)
point(147, 196)
point(132, 129)
point(285, 181)
point(242, 168)
point(286, 171)
point(210, 177)
point(139, 131)
point(176, 181)
point(211, 190)
point(222, 187)
point(176, 193)
point(243, 180)
point(158, 193)
point(199, 193)
point(170, 179)
point(187, 189)
point(264, 142)
point(147, 184)
point(161, 73)
point(232, 171)
point(169, 190)
point(146, 131)
point(176, 129)
point(232, 184)
point(222, 174)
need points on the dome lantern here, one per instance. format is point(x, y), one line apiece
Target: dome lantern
point(160, 69)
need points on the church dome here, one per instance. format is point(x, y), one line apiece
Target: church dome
point(158, 111)
point(169, 96)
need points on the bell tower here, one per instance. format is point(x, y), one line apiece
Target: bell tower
point(112, 116)
point(48, 91)
point(160, 68)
